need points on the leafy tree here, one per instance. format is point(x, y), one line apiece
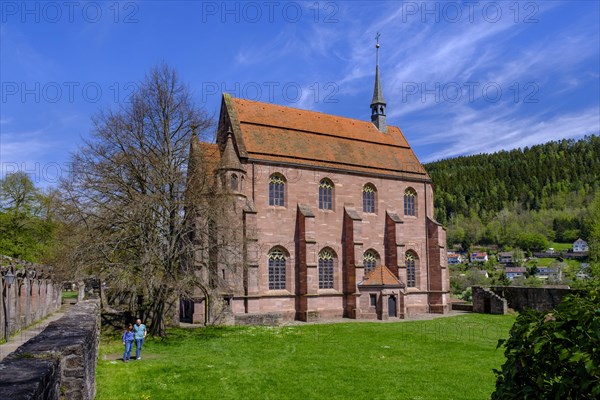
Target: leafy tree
point(553, 355)
point(26, 226)
point(532, 241)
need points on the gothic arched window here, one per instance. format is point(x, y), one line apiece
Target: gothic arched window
point(410, 200)
point(325, 194)
point(276, 190)
point(326, 261)
point(411, 269)
point(370, 260)
point(277, 264)
point(234, 182)
point(369, 198)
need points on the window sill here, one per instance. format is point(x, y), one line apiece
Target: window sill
point(278, 293)
point(326, 292)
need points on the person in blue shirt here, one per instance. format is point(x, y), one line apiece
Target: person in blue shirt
point(128, 342)
point(139, 334)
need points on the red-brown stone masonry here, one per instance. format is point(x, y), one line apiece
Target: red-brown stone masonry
point(348, 267)
point(435, 271)
point(276, 225)
point(391, 249)
point(301, 270)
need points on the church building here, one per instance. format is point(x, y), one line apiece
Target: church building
point(335, 217)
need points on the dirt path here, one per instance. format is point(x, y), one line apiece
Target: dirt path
point(32, 331)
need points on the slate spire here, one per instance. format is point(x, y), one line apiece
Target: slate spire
point(378, 103)
point(229, 158)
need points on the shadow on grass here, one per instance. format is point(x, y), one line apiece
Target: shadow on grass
point(112, 325)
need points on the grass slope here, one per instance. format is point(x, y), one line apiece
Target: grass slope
point(446, 358)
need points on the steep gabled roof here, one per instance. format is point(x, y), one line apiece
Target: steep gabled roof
point(380, 276)
point(277, 134)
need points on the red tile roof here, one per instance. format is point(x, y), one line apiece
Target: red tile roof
point(278, 134)
point(380, 276)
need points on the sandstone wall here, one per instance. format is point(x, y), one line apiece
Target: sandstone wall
point(487, 302)
point(538, 298)
point(59, 363)
point(496, 299)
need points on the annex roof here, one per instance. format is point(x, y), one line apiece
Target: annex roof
point(380, 276)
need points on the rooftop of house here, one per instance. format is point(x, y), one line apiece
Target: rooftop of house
point(515, 269)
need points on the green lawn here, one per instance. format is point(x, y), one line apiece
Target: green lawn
point(447, 358)
point(69, 295)
point(561, 246)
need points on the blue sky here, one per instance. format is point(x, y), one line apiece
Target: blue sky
point(459, 77)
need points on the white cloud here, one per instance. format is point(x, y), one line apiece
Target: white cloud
point(475, 132)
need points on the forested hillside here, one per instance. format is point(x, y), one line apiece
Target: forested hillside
point(535, 194)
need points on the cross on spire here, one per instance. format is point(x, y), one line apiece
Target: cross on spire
point(378, 103)
point(377, 47)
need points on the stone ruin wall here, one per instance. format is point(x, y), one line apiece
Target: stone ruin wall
point(60, 362)
point(33, 294)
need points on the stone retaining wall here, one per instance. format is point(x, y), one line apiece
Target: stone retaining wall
point(488, 302)
point(33, 294)
point(269, 319)
point(496, 299)
point(462, 307)
point(59, 363)
point(538, 298)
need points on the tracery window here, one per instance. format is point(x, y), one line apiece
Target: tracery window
point(411, 280)
point(369, 198)
point(276, 190)
point(409, 202)
point(277, 263)
point(326, 261)
point(325, 194)
point(369, 260)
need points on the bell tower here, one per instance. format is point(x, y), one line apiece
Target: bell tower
point(378, 103)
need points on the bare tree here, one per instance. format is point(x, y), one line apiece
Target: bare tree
point(127, 193)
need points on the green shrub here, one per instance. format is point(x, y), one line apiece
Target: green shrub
point(553, 355)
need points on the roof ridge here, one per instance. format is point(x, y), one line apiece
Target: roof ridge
point(305, 110)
